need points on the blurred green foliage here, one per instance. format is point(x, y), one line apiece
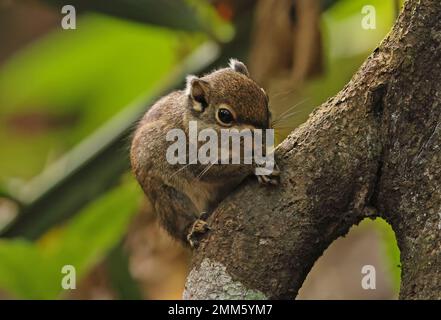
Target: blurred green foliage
point(345, 46)
point(389, 248)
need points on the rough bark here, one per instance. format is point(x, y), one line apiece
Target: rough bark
point(373, 149)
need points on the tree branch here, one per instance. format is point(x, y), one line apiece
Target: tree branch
point(376, 144)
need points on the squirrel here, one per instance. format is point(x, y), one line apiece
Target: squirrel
point(184, 196)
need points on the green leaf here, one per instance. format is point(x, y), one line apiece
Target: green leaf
point(347, 15)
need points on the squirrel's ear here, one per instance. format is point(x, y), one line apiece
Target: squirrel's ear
point(240, 67)
point(199, 92)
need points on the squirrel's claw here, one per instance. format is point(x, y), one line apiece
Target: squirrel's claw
point(272, 178)
point(198, 228)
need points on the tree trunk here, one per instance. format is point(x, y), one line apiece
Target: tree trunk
point(372, 150)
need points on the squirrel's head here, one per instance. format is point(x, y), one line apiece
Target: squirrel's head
point(228, 98)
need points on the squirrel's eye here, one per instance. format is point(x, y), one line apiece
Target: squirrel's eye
point(224, 117)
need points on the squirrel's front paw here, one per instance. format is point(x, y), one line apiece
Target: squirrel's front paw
point(198, 228)
point(271, 179)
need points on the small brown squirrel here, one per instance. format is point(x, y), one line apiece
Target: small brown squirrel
point(184, 195)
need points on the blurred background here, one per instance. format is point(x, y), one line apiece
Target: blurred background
point(68, 103)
